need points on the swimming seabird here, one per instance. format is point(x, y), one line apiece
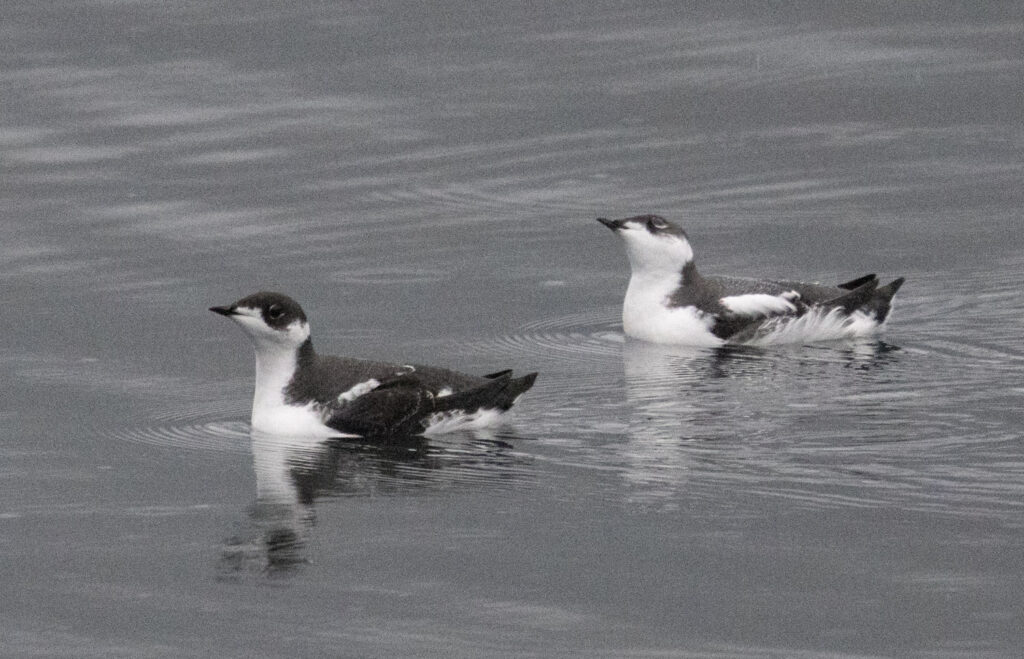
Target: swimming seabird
point(668, 301)
point(300, 392)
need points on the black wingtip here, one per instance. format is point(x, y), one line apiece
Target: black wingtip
point(855, 298)
point(518, 385)
point(527, 380)
point(511, 389)
point(858, 282)
point(881, 301)
point(515, 389)
point(893, 286)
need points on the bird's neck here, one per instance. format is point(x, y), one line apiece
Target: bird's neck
point(689, 275)
point(275, 367)
point(649, 294)
point(646, 290)
point(655, 285)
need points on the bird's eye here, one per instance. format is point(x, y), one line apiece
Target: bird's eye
point(275, 311)
point(657, 223)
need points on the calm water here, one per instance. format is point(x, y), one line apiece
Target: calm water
point(424, 180)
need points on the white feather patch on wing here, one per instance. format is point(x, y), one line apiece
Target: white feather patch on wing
point(759, 304)
point(358, 390)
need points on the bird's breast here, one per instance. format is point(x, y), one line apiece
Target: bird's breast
point(295, 420)
point(647, 316)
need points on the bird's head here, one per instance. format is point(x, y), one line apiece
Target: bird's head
point(654, 245)
point(271, 320)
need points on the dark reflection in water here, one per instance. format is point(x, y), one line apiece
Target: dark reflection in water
point(292, 473)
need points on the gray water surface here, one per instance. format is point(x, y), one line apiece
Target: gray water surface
point(424, 178)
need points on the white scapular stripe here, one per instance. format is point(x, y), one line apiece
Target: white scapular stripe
point(358, 390)
point(758, 304)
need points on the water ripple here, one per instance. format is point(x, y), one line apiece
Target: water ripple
point(230, 436)
point(836, 424)
point(592, 337)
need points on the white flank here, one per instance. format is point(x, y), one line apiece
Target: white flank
point(862, 323)
point(447, 391)
point(758, 304)
point(358, 390)
point(816, 325)
point(442, 422)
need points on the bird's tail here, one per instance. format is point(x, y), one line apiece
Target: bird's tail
point(858, 282)
point(881, 302)
point(500, 392)
point(868, 296)
point(857, 298)
point(516, 388)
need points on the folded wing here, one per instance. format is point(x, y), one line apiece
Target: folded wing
point(403, 405)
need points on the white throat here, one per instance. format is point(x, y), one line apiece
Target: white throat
point(657, 268)
point(650, 255)
point(275, 366)
point(271, 411)
point(277, 358)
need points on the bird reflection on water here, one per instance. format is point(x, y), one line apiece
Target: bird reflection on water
point(671, 376)
point(701, 412)
point(293, 473)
